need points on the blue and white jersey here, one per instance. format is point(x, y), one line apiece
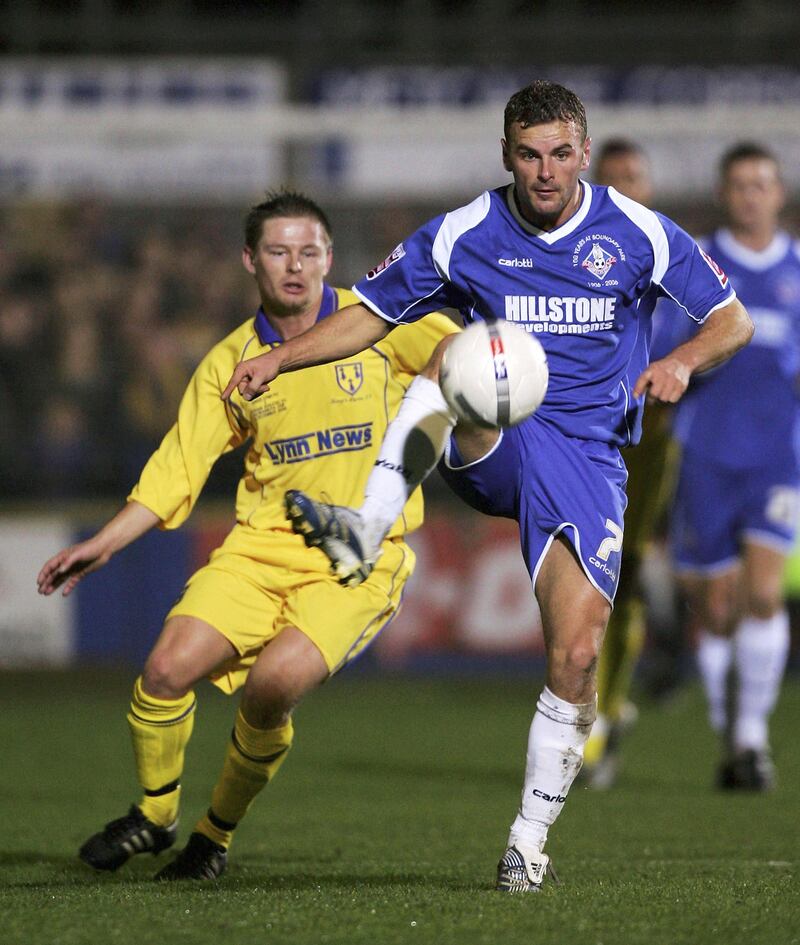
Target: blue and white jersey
point(745, 413)
point(586, 290)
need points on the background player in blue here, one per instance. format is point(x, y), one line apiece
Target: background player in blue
point(580, 266)
point(736, 506)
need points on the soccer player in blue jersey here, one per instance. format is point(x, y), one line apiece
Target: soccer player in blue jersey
point(737, 503)
point(581, 267)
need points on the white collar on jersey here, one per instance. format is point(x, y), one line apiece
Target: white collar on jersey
point(757, 260)
point(550, 236)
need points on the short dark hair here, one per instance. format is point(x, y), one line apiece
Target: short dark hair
point(745, 151)
point(542, 102)
point(616, 147)
point(283, 203)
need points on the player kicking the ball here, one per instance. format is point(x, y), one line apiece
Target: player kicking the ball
point(581, 267)
point(264, 613)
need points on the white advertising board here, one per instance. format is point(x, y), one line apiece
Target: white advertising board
point(34, 630)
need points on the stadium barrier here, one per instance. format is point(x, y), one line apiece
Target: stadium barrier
point(224, 129)
point(468, 603)
point(468, 606)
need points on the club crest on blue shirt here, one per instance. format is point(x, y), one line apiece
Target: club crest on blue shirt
point(598, 261)
point(350, 376)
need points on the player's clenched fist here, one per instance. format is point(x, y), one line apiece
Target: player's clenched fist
point(665, 380)
point(252, 378)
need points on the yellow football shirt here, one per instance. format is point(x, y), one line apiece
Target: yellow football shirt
point(318, 429)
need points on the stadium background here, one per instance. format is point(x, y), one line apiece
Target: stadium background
point(134, 135)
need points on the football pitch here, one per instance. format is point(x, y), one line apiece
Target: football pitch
point(386, 823)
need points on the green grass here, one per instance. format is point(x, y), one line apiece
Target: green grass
point(386, 823)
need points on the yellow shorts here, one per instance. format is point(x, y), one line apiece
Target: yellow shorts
point(256, 583)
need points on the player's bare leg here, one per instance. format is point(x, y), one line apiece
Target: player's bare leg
point(574, 617)
point(161, 719)
point(288, 667)
point(187, 650)
point(411, 448)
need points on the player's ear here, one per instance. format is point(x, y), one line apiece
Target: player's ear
point(247, 260)
point(328, 260)
point(506, 161)
point(587, 153)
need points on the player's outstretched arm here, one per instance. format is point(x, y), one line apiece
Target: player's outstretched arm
point(340, 335)
point(722, 334)
point(72, 564)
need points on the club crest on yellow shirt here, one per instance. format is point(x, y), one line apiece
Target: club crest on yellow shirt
point(350, 376)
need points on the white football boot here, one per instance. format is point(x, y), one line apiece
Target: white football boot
point(338, 531)
point(520, 871)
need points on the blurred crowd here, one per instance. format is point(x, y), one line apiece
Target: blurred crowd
point(104, 313)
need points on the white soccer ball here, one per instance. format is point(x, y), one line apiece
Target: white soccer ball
point(494, 374)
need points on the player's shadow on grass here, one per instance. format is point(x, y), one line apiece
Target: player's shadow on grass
point(37, 858)
point(66, 870)
point(293, 881)
point(55, 869)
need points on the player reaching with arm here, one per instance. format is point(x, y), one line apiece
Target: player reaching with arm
point(264, 612)
point(736, 508)
point(588, 262)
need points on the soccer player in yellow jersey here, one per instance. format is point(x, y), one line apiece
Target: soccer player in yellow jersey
point(651, 466)
point(265, 612)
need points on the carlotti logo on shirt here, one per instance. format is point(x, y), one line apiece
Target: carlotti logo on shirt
point(514, 263)
point(396, 254)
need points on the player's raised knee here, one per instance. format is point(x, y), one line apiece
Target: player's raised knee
point(165, 676)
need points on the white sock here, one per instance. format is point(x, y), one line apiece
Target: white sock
point(761, 648)
point(714, 657)
point(412, 446)
point(555, 754)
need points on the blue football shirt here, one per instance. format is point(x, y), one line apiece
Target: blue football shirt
point(745, 413)
point(586, 290)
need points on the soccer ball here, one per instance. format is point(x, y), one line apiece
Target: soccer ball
point(494, 374)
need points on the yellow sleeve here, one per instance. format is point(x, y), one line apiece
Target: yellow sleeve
point(410, 346)
point(175, 474)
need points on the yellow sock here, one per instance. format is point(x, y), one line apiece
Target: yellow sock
point(621, 648)
point(595, 746)
point(252, 759)
point(160, 730)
